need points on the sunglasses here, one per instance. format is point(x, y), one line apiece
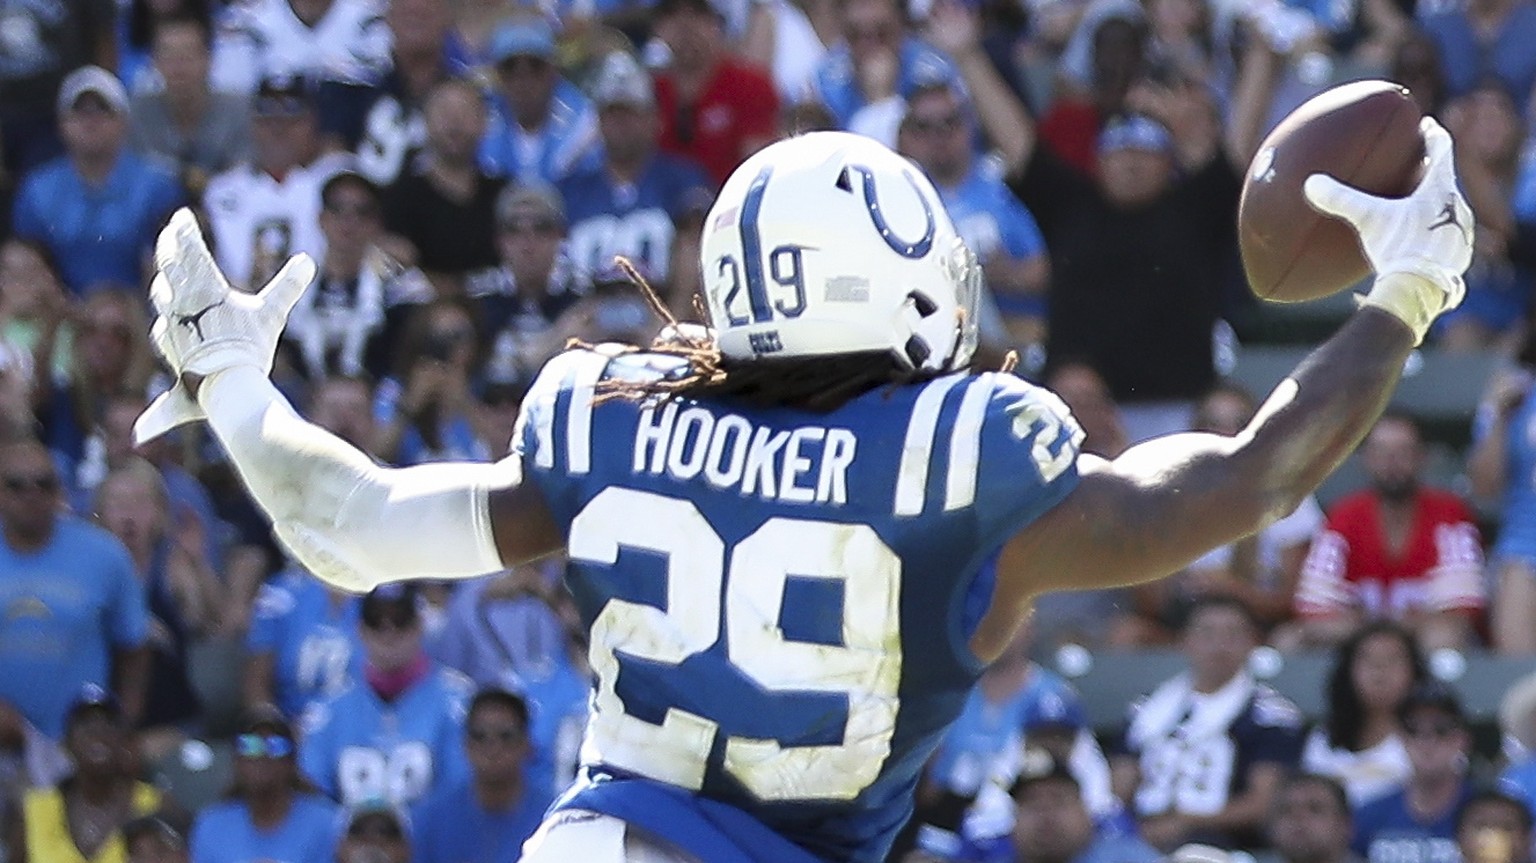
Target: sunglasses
point(263, 746)
point(504, 736)
point(40, 483)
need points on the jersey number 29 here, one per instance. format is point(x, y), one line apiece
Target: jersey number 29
point(866, 666)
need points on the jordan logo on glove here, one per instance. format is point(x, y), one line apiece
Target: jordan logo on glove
point(1447, 217)
point(204, 325)
point(195, 320)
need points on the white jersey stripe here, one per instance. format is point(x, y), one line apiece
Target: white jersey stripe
point(917, 448)
point(578, 418)
point(542, 427)
point(965, 446)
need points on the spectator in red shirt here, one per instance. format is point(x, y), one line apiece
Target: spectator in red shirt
point(714, 109)
point(1394, 550)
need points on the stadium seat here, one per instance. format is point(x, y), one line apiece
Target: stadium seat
point(215, 667)
point(1439, 388)
point(196, 773)
point(1294, 323)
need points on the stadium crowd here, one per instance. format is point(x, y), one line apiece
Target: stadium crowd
point(465, 173)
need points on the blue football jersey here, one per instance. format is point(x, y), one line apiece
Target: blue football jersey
point(983, 732)
point(638, 221)
point(224, 832)
point(568, 136)
point(313, 641)
point(779, 603)
point(989, 217)
point(919, 65)
point(1388, 831)
point(1517, 536)
point(357, 747)
point(1519, 781)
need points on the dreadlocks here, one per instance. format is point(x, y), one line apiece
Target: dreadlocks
point(818, 384)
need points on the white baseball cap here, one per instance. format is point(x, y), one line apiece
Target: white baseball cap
point(621, 80)
point(92, 79)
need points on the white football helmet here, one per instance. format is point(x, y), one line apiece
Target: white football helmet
point(830, 243)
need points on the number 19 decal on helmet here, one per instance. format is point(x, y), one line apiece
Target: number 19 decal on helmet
point(830, 243)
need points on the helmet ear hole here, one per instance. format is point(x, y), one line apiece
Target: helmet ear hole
point(923, 303)
point(917, 351)
point(845, 181)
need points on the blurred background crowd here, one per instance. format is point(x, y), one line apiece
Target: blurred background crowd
point(465, 172)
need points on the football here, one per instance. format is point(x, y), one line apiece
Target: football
point(1365, 134)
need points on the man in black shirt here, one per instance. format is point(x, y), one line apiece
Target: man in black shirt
point(1141, 253)
point(443, 205)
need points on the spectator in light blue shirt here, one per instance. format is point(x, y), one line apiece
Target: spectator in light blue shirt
point(271, 813)
point(396, 733)
point(1484, 37)
point(541, 125)
point(487, 817)
point(72, 611)
point(99, 206)
point(938, 132)
point(303, 644)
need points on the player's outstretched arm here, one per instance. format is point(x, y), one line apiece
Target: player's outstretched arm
point(1165, 502)
point(353, 523)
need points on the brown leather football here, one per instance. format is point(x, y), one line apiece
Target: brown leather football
point(1365, 134)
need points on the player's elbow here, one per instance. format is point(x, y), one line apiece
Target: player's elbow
point(1272, 485)
point(384, 524)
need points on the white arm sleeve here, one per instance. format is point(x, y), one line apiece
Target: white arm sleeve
point(353, 523)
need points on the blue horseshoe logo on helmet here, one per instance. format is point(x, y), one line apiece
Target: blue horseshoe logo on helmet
point(914, 249)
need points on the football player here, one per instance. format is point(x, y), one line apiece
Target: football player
point(795, 537)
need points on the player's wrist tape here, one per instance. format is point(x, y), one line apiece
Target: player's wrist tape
point(353, 523)
point(1414, 298)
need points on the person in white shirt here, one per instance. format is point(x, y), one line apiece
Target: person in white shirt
point(341, 324)
point(268, 209)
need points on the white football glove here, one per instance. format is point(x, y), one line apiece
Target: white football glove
point(1426, 236)
point(205, 326)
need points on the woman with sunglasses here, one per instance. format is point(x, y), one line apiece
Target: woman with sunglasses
point(271, 813)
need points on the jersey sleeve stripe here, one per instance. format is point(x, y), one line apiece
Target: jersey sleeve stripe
point(578, 422)
point(917, 448)
point(544, 455)
point(965, 446)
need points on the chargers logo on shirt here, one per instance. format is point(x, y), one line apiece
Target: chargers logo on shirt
point(27, 606)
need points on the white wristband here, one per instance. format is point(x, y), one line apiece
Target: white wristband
point(1414, 299)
